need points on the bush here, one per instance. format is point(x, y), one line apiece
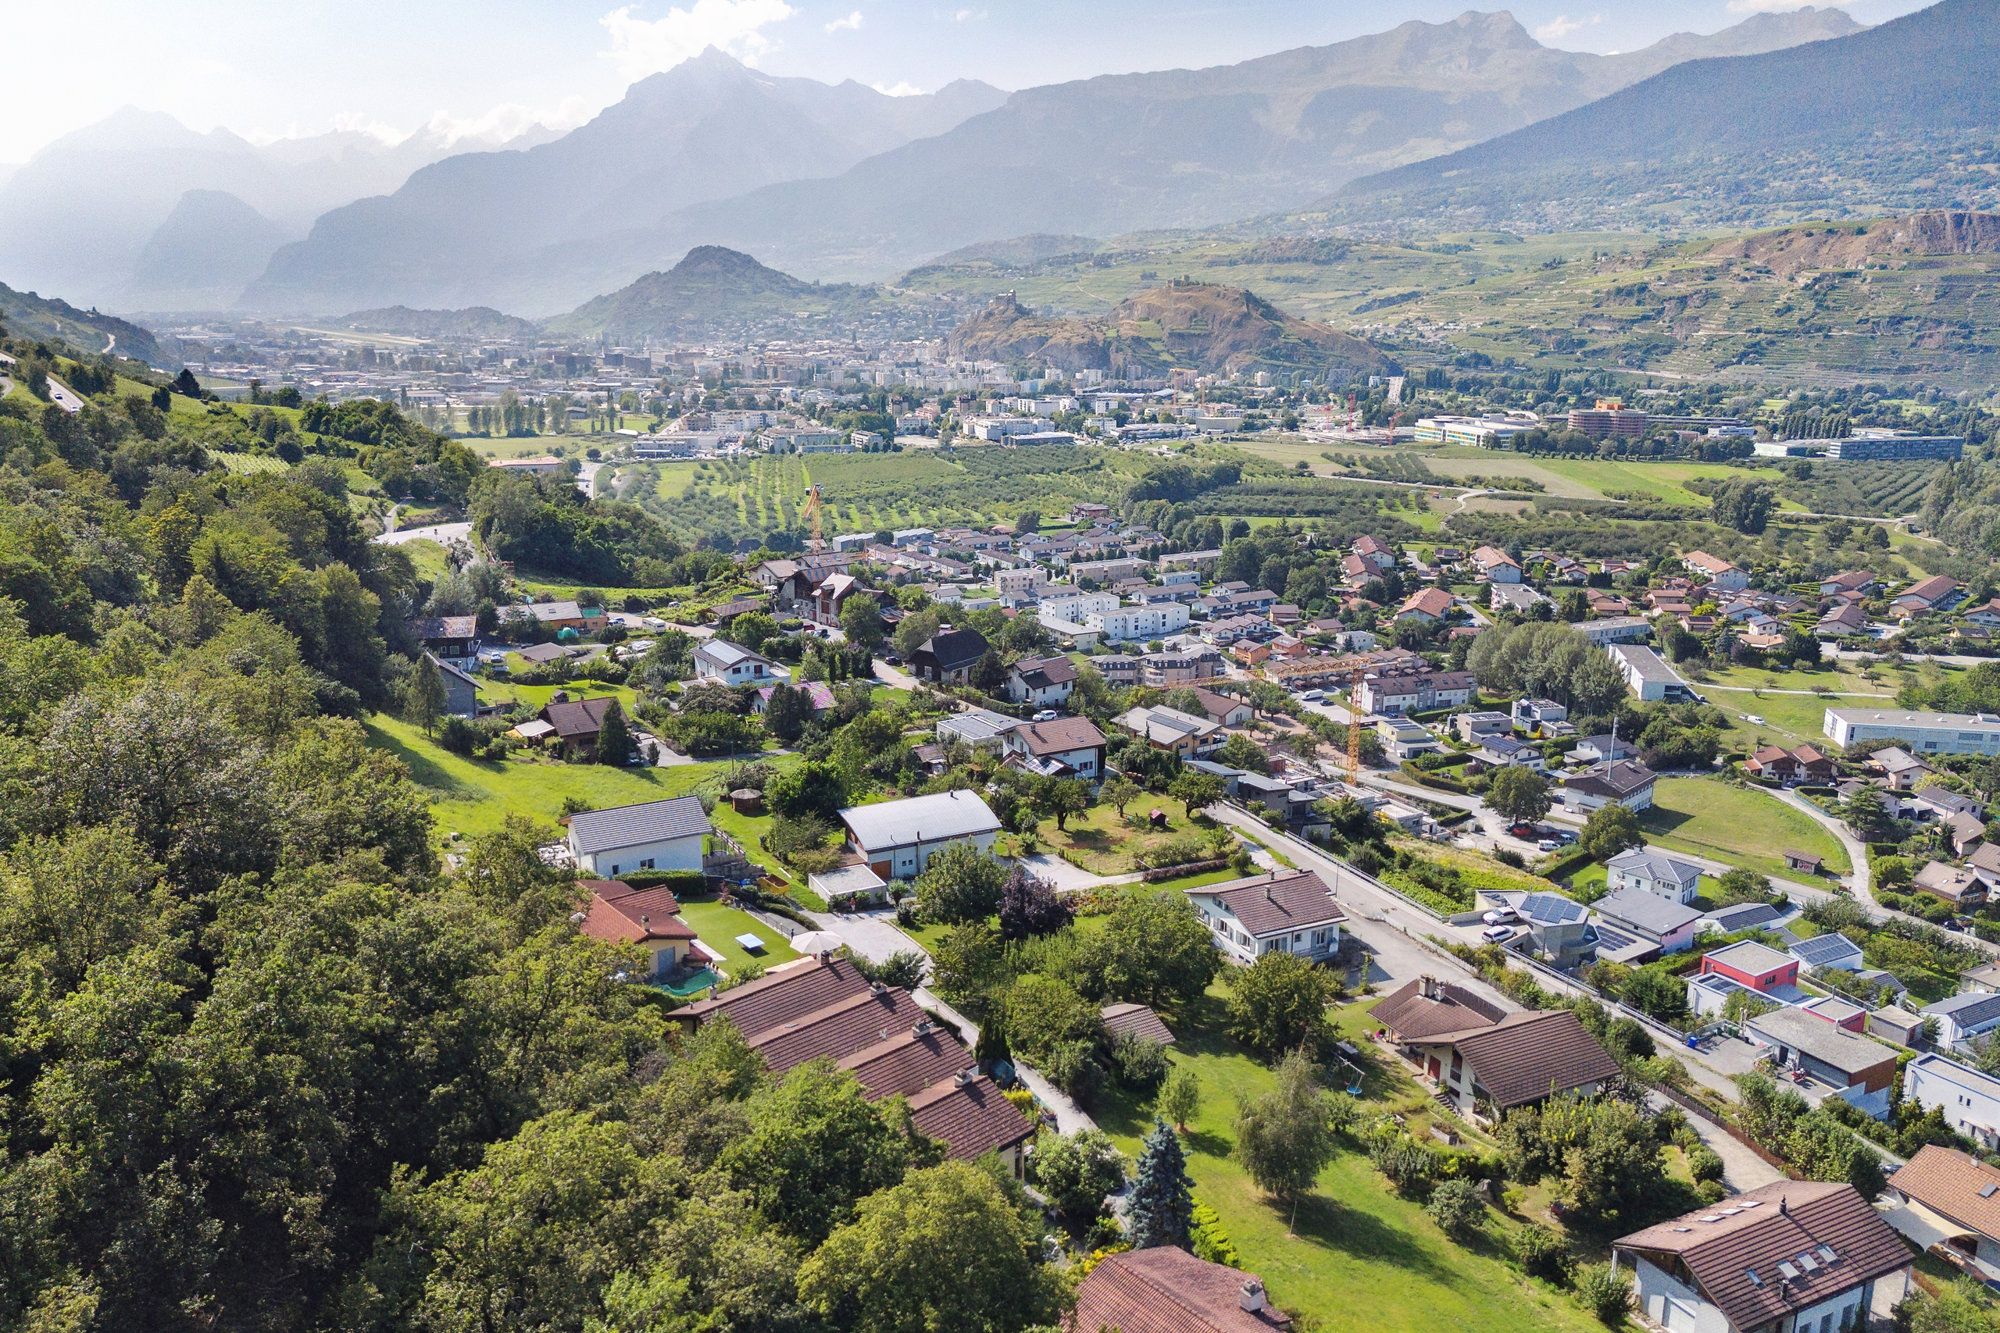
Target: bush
point(1137, 1062)
point(1605, 1293)
point(680, 883)
point(1456, 1207)
point(1704, 1164)
point(1210, 1241)
point(1408, 1164)
point(1542, 1253)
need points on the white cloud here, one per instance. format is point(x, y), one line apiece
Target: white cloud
point(1562, 25)
point(363, 123)
point(647, 46)
point(509, 120)
point(903, 89)
point(848, 24)
point(968, 15)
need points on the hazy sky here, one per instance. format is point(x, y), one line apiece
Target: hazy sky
point(267, 68)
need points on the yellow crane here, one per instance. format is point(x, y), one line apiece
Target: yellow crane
point(812, 512)
point(1354, 732)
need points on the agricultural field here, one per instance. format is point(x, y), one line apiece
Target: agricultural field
point(1739, 826)
point(1790, 702)
point(881, 492)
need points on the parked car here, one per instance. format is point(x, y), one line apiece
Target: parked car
point(1047, 715)
point(1497, 934)
point(1524, 830)
point(1311, 696)
point(1501, 916)
point(1547, 845)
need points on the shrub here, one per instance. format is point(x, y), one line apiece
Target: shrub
point(1138, 1062)
point(1456, 1207)
point(1408, 1164)
point(1704, 1164)
point(1211, 1242)
point(1542, 1253)
point(680, 883)
point(1604, 1292)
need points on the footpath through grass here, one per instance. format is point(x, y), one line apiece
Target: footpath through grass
point(1362, 1258)
point(1739, 826)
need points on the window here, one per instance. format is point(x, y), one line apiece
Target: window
point(646, 864)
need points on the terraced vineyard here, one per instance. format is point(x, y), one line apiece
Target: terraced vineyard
point(882, 492)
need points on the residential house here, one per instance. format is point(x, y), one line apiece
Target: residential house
point(1842, 621)
point(1898, 768)
point(1857, 1070)
point(823, 1008)
point(1936, 593)
point(1495, 565)
point(1516, 597)
point(1392, 692)
point(1968, 1097)
point(1485, 1061)
point(554, 616)
point(1961, 1018)
point(980, 728)
point(1403, 740)
point(1283, 911)
point(1960, 886)
point(1169, 729)
point(453, 639)
point(1643, 918)
point(1966, 832)
point(461, 691)
point(896, 839)
point(819, 696)
point(1790, 765)
point(1069, 747)
point(1165, 1289)
point(1506, 752)
point(1429, 605)
point(1559, 927)
point(574, 724)
point(1648, 870)
point(1743, 967)
point(1531, 715)
point(1379, 555)
point(1715, 571)
point(1948, 1205)
point(1849, 582)
point(1793, 1256)
point(1827, 953)
point(651, 835)
point(1044, 682)
point(1743, 916)
point(948, 656)
point(617, 913)
point(1225, 709)
point(1648, 675)
point(1625, 782)
point(1479, 724)
point(729, 664)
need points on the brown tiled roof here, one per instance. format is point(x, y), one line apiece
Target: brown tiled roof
point(839, 1029)
point(1268, 904)
point(1060, 736)
point(1410, 1015)
point(1525, 1057)
point(782, 996)
point(445, 627)
point(1167, 1290)
point(1137, 1019)
point(1045, 671)
point(577, 717)
point(908, 1062)
point(1950, 1182)
point(1778, 1223)
point(618, 914)
point(971, 1117)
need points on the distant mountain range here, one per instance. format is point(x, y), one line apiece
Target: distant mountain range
point(841, 182)
point(1195, 325)
point(1894, 117)
point(80, 215)
point(481, 228)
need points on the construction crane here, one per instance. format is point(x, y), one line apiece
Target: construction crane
point(1353, 416)
point(812, 513)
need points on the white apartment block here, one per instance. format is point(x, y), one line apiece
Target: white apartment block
point(1919, 733)
point(1969, 1099)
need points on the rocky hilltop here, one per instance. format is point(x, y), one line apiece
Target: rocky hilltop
point(1195, 325)
point(1789, 251)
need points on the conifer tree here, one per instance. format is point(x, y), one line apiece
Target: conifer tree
point(1162, 1205)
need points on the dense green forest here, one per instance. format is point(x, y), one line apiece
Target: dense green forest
point(264, 1062)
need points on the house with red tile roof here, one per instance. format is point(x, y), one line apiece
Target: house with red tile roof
point(1165, 1289)
point(617, 913)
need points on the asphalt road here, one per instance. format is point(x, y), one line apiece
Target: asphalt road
point(444, 534)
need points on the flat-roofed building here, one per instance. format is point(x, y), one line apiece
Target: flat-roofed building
point(1918, 732)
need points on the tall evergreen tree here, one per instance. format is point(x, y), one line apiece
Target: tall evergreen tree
point(614, 738)
point(1162, 1203)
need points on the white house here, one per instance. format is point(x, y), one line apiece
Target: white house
point(652, 835)
point(1284, 911)
point(1653, 872)
point(717, 660)
point(1969, 1099)
point(896, 839)
point(1963, 1017)
point(1625, 782)
point(1045, 682)
point(1064, 747)
point(1794, 1255)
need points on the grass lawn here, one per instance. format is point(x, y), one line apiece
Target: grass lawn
point(719, 926)
point(1099, 841)
point(495, 690)
point(1362, 1258)
point(475, 796)
point(1740, 826)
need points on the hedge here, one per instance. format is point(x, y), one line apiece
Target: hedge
point(1565, 864)
point(682, 883)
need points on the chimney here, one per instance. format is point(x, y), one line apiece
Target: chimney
point(924, 1027)
point(1428, 987)
point(1252, 1298)
point(1784, 1206)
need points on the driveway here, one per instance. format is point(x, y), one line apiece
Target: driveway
point(1857, 851)
point(444, 534)
point(1741, 1169)
point(895, 676)
point(1068, 878)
